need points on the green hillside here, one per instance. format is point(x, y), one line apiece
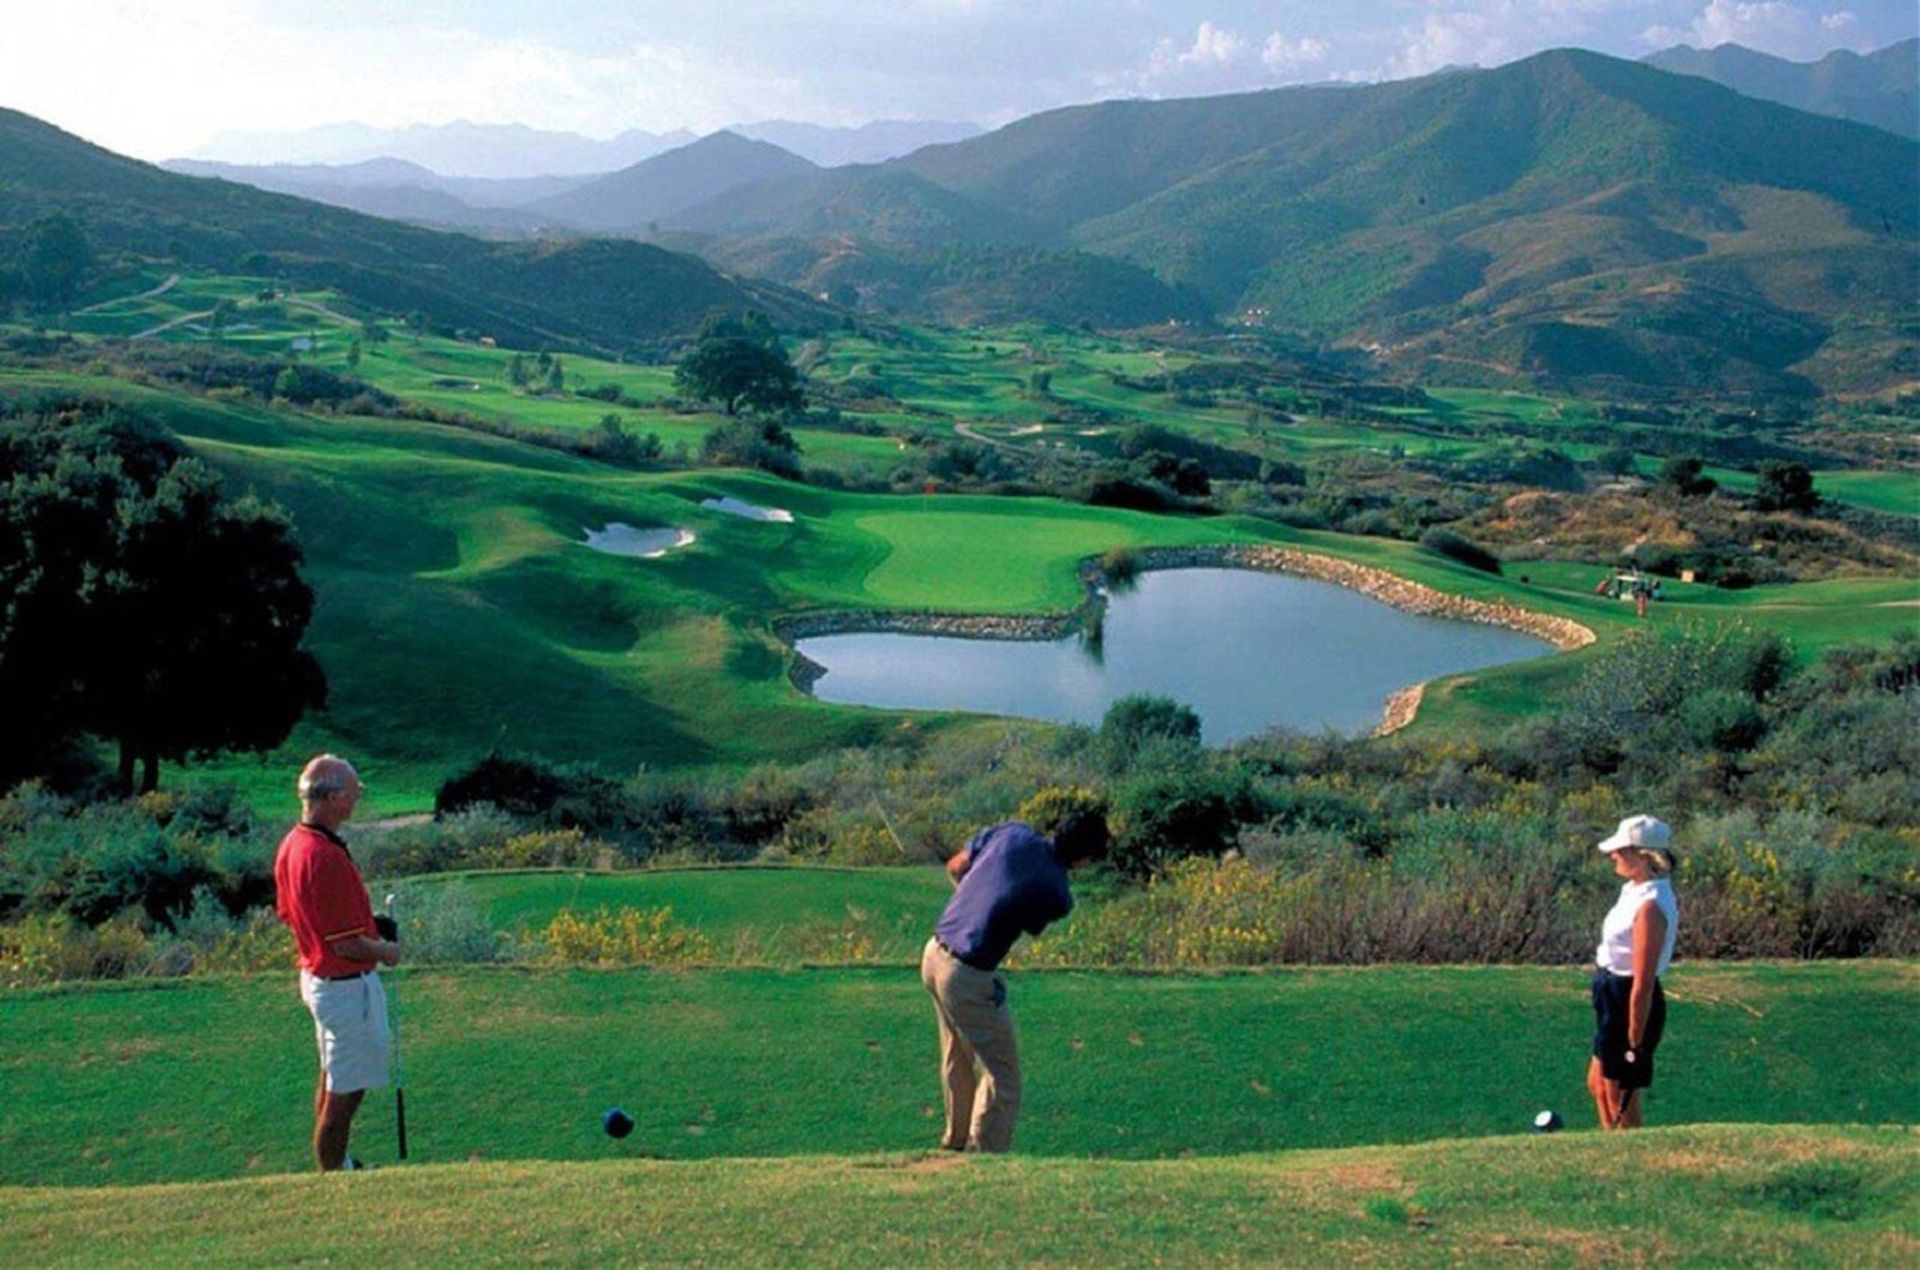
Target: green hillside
point(588, 293)
point(1722, 1195)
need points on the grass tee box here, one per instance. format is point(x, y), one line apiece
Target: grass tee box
point(205, 1079)
point(1719, 1195)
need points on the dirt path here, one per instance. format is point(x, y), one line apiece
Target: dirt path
point(317, 307)
point(968, 432)
point(182, 320)
point(162, 289)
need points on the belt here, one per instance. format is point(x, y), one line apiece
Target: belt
point(965, 961)
point(358, 974)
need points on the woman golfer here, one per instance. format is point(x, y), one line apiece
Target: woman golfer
point(1636, 945)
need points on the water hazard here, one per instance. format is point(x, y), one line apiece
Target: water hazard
point(1249, 651)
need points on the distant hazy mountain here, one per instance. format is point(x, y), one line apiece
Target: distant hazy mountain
point(599, 294)
point(1881, 88)
point(631, 200)
point(874, 142)
point(454, 149)
point(400, 190)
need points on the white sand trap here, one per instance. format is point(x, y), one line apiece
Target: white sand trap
point(649, 544)
point(1029, 430)
point(749, 511)
point(1093, 432)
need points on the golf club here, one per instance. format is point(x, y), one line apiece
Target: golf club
point(393, 1029)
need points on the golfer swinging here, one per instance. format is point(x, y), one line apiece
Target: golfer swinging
point(1010, 879)
point(340, 949)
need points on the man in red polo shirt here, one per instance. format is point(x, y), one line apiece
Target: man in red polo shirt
point(323, 899)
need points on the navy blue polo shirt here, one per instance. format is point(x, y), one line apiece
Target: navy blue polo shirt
point(1013, 886)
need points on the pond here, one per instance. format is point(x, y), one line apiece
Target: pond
point(627, 540)
point(1248, 651)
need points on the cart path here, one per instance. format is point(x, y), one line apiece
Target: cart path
point(162, 289)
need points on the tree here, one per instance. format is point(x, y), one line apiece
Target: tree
point(1683, 475)
point(147, 607)
point(739, 363)
point(1785, 487)
point(54, 261)
point(556, 378)
point(517, 373)
point(760, 443)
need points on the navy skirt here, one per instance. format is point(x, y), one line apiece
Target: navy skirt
point(1612, 998)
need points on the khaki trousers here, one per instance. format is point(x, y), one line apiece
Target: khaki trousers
point(979, 1067)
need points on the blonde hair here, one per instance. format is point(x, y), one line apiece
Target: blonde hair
point(1659, 860)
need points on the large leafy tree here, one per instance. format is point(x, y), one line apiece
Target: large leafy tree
point(740, 364)
point(141, 603)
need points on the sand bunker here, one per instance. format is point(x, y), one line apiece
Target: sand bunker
point(626, 540)
point(750, 511)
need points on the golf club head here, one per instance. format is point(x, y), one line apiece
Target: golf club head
point(388, 906)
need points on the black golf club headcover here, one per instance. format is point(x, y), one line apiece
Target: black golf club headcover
point(388, 928)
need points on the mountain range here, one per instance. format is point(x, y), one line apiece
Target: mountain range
point(1571, 218)
point(607, 295)
point(505, 151)
point(1881, 88)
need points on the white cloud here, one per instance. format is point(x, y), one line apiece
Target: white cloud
point(1771, 26)
point(1222, 60)
point(1278, 53)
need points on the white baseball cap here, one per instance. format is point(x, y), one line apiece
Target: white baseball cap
point(1649, 833)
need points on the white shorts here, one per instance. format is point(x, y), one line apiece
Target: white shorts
point(350, 1026)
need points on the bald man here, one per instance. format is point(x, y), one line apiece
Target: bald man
point(321, 896)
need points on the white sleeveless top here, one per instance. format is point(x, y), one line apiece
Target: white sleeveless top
point(1615, 953)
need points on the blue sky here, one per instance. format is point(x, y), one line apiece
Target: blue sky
point(158, 78)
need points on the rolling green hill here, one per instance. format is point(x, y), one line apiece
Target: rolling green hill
point(593, 293)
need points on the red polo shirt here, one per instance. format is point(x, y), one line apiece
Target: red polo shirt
point(322, 897)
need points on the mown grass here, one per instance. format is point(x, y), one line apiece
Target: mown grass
point(891, 908)
point(1703, 1195)
point(213, 1078)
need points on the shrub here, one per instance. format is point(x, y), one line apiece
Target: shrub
point(1120, 564)
point(544, 849)
point(442, 924)
point(1138, 718)
point(1163, 817)
point(568, 796)
point(630, 937)
point(1459, 547)
point(1049, 808)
